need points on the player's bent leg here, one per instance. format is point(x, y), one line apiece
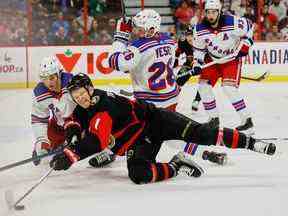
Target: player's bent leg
point(205, 135)
point(142, 171)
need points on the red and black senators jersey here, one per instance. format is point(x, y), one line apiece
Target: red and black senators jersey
point(113, 116)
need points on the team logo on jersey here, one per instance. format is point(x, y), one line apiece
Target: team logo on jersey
point(95, 100)
point(225, 37)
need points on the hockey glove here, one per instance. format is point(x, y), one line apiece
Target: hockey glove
point(72, 129)
point(243, 50)
point(183, 75)
point(101, 159)
point(64, 160)
point(123, 30)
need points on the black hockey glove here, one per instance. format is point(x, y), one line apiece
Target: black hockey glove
point(64, 160)
point(72, 129)
point(183, 75)
point(196, 70)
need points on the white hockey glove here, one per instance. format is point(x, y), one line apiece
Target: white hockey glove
point(123, 30)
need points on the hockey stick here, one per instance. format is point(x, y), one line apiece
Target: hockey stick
point(273, 139)
point(9, 197)
point(38, 157)
point(126, 93)
point(258, 79)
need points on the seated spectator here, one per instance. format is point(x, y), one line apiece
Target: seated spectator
point(267, 20)
point(59, 38)
point(278, 8)
point(238, 7)
point(183, 15)
point(111, 26)
point(41, 37)
point(60, 22)
point(80, 20)
point(274, 35)
point(53, 6)
point(105, 38)
point(284, 31)
point(94, 33)
point(75, 34)
point(249, 14)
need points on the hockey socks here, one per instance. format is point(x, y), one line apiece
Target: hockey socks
point(161, 171)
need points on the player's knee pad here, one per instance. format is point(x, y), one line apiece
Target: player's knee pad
point(205, 90)
point(139, 171)
point(232, 92)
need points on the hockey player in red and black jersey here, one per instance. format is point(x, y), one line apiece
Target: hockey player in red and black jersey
point(185, 45)
point(138, 130)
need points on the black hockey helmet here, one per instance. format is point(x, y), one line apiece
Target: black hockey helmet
point(78, 81)
point(189, 29)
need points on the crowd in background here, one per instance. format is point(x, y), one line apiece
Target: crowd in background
point(269, 16)
point(63, 22)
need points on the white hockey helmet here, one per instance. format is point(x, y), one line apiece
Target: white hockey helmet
point(213, 5)
point(49, 66)
point(147, 19)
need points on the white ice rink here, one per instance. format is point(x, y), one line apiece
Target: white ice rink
point(250, 185)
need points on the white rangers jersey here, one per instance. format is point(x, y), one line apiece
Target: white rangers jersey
point(150, 64)
point(47, 105)
point(225, 40)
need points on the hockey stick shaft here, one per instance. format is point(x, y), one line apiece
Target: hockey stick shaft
point(33, 187)
point(38, 157)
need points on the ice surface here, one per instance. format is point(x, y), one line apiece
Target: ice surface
point(251, 184)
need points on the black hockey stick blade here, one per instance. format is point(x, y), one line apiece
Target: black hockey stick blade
point(258, 79)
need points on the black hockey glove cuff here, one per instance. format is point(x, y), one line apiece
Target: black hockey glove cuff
point(64, 160)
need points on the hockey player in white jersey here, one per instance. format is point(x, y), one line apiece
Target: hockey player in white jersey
point(150, 59)
point(220, 35)
point(50, 104)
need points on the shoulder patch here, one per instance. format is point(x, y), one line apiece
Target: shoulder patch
point(228, 20)
point(40, 89)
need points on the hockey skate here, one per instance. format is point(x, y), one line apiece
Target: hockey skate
point(183, 164)
point(246, 127)
point(215, 157)
point(214, 122)
point(264, 147)
point(195, 105)
point(101, 159)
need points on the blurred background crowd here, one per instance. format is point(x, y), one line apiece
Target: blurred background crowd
point(92, 22)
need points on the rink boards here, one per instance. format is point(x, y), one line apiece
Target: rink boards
point(19, 65)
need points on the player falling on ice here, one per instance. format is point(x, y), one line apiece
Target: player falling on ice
point(138, 129)
point(218, 36)
point(150, 59)
point(50, 103)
